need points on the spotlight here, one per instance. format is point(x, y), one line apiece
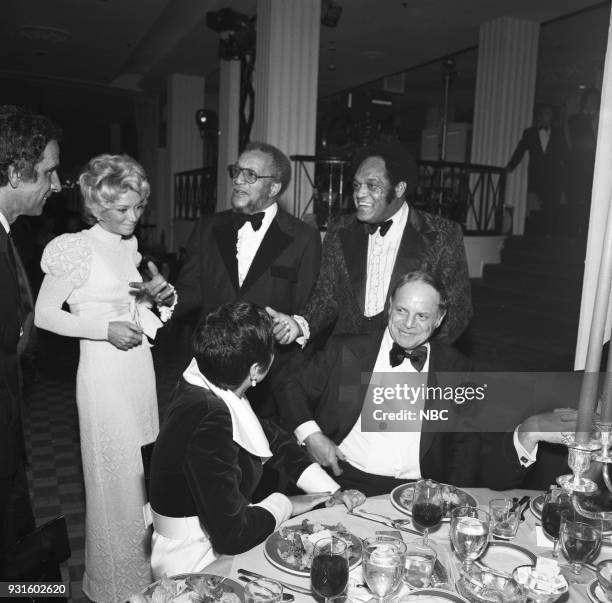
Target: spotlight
point(330, 13)
point(206, 121)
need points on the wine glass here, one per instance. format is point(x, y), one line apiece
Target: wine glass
point(555, 502)
point(427, 506)
point(384, 559)
point(330, 568)
point(469, 532)
point(580, 539)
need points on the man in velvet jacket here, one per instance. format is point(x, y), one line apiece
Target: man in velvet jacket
point(322, 403)
point(29, 158)
point(364, 253)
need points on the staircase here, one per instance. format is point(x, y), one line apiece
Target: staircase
point(526, 308)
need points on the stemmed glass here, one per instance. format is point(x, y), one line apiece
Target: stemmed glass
point(427, 506)
point(469, 532)
point(330, 568)
point(580, 539)
point(384, 559)
point(555, 502)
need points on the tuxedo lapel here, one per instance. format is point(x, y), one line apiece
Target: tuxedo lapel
point(354, 241)
point(226, 238)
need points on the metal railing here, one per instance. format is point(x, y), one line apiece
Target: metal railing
point(468, 193)
point(195, 193)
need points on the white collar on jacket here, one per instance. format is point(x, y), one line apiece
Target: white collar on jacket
point(247, 431)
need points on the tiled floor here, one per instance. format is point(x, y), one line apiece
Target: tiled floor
point(52, 436)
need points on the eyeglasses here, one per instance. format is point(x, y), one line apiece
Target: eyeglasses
point(249, 175)
point(371, 186)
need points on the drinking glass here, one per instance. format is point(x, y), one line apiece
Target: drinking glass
point(505, 518)
point(419, 566)
point(330, 568)
point(580, 540)
point(555, 502)
point(427, 506)
point(384, 559)
point(263, 590)
point(469, 532)
point(604, 577)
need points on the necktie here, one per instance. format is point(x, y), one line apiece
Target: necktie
point(383, 226)
point(418, 356)
point(239, 220)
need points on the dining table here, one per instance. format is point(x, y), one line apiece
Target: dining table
point(255, 559)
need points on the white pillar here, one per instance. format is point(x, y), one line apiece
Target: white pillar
point(600, 204)
point(185, 97)
point(229, 125)
point(505, 89)
point(286, 76)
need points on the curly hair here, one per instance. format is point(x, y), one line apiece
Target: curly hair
point(281, 168)
point(23, 139)
point(105, 178)
point(230, 339)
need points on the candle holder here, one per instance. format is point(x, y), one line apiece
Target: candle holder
point(579, 461)
point(604, 431)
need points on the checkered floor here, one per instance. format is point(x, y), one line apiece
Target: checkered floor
point(52, 436)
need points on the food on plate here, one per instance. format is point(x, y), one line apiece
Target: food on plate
point(296, 543)
point(189, 589)
point(451, 498)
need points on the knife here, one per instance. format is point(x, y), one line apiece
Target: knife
point(386, 523)
point(286, 596)
point(298, 589)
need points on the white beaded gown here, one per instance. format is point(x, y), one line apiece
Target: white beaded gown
point(116, 400)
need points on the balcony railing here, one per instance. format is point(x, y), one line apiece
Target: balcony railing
point(195, 193)
point(468, 193)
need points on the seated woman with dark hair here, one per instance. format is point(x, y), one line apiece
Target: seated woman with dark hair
point(209, 454)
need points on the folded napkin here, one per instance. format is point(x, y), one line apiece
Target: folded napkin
point(542, 540)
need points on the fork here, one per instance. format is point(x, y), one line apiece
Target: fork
point(398, 524)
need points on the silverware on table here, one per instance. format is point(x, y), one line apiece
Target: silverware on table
point(287, 598)
point(398, 524)
point(298, 589)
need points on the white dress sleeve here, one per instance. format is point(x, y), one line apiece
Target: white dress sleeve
point(66, 262)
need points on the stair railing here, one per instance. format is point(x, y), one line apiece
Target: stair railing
point(195, 193)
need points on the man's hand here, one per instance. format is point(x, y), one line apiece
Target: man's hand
point(157, 288)
point(547, 427)
point(305, 502)
point(286, 329)
point(124, 335)
point(349, 498)
point(324, 451)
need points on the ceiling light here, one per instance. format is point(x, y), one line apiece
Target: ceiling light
point(41, 33)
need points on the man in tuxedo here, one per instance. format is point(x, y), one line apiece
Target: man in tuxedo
point(29, 158)
point(548, 154)
point(254, 252)
point(365, 252)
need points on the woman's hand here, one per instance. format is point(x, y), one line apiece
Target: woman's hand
point(349, 498)
point(306, 502)
point(124, 335)
point(157, 289)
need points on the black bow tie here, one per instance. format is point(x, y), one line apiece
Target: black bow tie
point(384, 227)
point(418, 356)
point(239, 220)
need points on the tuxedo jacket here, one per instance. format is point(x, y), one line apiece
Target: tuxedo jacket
point(429, 243)
point(327, 389)
point(12, 450)
point(198, 469)
point(281, 276)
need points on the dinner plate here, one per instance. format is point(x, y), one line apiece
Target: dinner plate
point(506, 556)
point(185, 585)
point(536, 504)
point(431, 595)
point(401, 498)
point(596, 593)
point(272, 554)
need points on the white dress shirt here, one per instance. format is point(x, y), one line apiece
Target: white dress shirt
point(544, 134)
point(5, 223)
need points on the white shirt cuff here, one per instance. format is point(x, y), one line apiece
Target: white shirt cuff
point(277, 504)
point(304, 430)
point(303, 323)
point(526, 458)
point(315, 479)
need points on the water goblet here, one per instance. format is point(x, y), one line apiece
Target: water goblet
point(420, 563)
point(330, 568)
point(384, 559)
point(427, 506)
point(469, 532)
point(580, 540)
point(555, 502)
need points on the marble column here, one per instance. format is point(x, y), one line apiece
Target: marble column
point(286, 76)
point(505, 89)
point(229, 113)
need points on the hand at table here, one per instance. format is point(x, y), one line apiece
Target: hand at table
point(547, 427)
point(349, 498)
point(324, 451)
point(286, 329)
point(302, 503)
